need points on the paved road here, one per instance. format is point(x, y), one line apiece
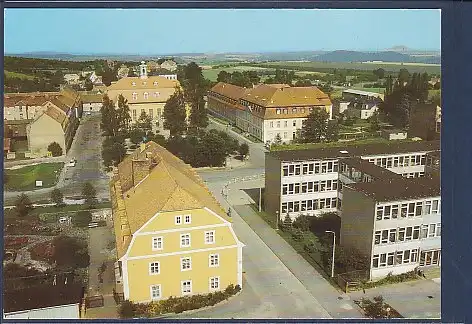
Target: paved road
point(86, 148)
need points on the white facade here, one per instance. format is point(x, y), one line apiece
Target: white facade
point(91, 107)
point(56, 312)
point(311, 187)
point(407, 235)
point(286, 128)
point(169, 76)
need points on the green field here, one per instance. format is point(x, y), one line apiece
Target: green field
point(25, 178)
point(324, 66)
point(212, 74)
point(18, 75)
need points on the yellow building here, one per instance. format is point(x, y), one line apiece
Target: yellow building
point(172, 236)
point(147, 94)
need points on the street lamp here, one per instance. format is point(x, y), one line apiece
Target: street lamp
point(277, 220)
point(260, 199)
point(334, 248)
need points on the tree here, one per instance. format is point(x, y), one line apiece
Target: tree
point(23, 205)
point(244, 150)
point(278, 139)
point(224, 76)
point(57, 197)
point(126, 309)
point(403, 76)
point(374, 122)
point(109, 123)
point(379, 73)
point(55, 149)
point(88, 84)
point(174, 114)
point(377, 308)
point(136, 135)
point(198, 112)
point(303, 83)
point(144, 122)
point(113, 153)
point(69, 252)
point(82, 218)
point(89, 192)
point(332, 131)
point(123, 115)
point(314, 128)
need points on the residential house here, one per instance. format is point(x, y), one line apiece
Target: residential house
point(362, 108)
point(123, 71)
point(352, 94)
point(145, 94)
point(172, 236)
point(91, 102)
point(267, 111)
point(169, 65)
point(71, 78)
point(46, 302)
point(306, 181)
point(395, 223)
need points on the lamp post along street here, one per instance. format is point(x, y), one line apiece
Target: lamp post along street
point(334, 249)
point(277, 220)
point(260, 199)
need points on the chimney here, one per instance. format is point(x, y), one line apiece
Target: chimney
point(140, 169)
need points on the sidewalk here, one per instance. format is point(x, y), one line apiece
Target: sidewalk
point(8, 164)
point(338, 304)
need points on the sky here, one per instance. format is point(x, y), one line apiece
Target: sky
point(168, 31)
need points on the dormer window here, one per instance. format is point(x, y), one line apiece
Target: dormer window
point(146, 95)
point(278, 111)
point(144, 83)
point(156, 94)
point(155, 83)
point(133, 84)
point(135, 96)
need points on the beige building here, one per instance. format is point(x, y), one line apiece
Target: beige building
point(147, 94)
point(50, 126)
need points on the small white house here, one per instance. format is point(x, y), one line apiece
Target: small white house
point(394, 134)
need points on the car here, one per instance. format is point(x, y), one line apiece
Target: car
point(71, 163)
point(92, 225)
point(88, 113)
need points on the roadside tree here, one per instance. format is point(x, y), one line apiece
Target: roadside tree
point(174, 114)
point(55, 149)
point(90, 194)
point(243, 150)
point(57, 197)
point(23, 205)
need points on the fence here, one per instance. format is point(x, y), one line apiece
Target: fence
point(352, 280)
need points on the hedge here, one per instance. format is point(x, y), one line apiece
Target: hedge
point(176, 305)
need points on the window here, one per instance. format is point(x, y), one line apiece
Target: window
point(178, 220)
point(134, 113)
point(284, 189)
point(401, 234)
point(432, 230)
point(411, 209)
point(135, 96)
point(187, 219)
point(385, 236)
point(286, 123)
point(435, 208)
point(271, 124)
point(184, 240)
point(294, 123)
point(297, 169)
point(185, 264)
point(214, 283)
point(154, 268)
point(146, 95)
point(404, 210)
point(418, 208)
point(155, 83)
point(383, 260)
point(399, 257)
point(155, 292)
point(157, 243)
point(395, 211)
point(186, 287)
point(414, 255)
point(416, 232)
point(151, 113)
point(210, 237)
point(278, 124)
point(375, 261)
point(387, 212)
point(133, 84)
point(277, 111)
point(379, 212)
point(156, 94)
point(427, 207)
point(390, 258)
point(392, 235)
point(409, 233)
point(377, 237)
point(285, 170)
point(424, 231)
point(214, 260)
point(438, 229)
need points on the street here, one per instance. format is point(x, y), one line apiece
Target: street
point(86, 149)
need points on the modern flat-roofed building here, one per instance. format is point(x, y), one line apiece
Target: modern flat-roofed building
point(307, 181)
point(267, 110)
point(352, 94)
point(396, 223)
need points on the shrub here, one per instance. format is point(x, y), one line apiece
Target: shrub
point(126, 309)
point(55, 149)
point(82, 219)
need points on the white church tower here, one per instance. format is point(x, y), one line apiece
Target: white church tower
point(143, 70)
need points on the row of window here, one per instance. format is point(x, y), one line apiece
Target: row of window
point(185, 240)
point(155, 83)
point(309, 187)
point(145, 95)
point(285, 135)
point(286, 123)
point(224, 98)
point(185, 264)
point(310, 168)
point(185, 287)
point(403, 234)
point(400, 161)
point(413, 175)
point(143, 111)
point(394, 258)
point(294, 110)
point(412, 209)
point(312, 204)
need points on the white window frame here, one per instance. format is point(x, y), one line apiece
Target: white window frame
point(156, 241)
point(215, 280)
point(207, 235)
point(178, 220)
point(182, 259)
point(135, 96)
point(151, 266)
point(216, 258)
point(185, 235)
point(182, 284)
point(160, 292)
point(146, 95)
point(189, 219)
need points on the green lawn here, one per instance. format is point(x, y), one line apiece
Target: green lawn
point(18, 75)
point(25, 178)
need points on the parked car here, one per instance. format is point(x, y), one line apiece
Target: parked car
point(92, 225)
point(72, 163)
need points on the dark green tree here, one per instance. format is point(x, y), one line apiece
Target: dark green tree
point(243, 150)
point(224, 76)
point(374, 122)
point(198, 112)
point(82, 218)
point(89, 193)
point(55, 149)
point(136, 135)
point(332, 131)
point(144, 122)
point(403, 76)
point(88, 84)
point(57, 197)
point(123, 115)
point(109, 123)
point(278, 139)
point(379, 73)
point(175, 114)
point(314, 128)
point(23, 205)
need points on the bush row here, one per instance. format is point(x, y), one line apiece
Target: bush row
point(176, 305)
point(391, 279)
